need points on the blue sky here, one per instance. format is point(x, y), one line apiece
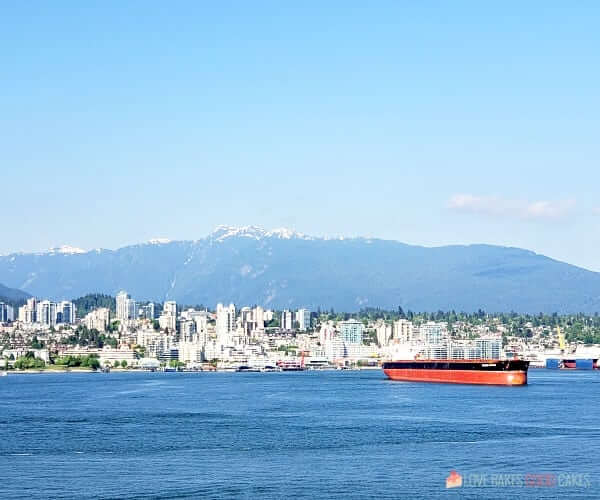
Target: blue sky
point(432, 123)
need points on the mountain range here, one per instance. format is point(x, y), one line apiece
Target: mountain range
point(286, 269)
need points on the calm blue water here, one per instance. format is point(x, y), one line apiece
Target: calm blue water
point(306, 435)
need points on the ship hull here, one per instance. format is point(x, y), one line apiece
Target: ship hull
point(484, 372)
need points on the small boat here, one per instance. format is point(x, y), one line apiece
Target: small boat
point(249, 369)
point(291, 366)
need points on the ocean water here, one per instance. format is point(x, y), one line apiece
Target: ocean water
point(349, 434)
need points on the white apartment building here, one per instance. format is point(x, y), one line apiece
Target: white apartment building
point(433, 333)
point(403, 331)
point(66, 312)
point(303, 319)
point(226, 323)
point(213, 350)
point(384, 333)
point(259, 317)
point(167, 322)
point(246, 321)
point(187, 328)
point(335, 349)
point(28, 312)
point(168, 318)
point(46, 313)
point(156, 343)
point(326, 333)
point(98, 319)
point(489, 347)
point(287, 320)
point(126, 308)
point(351, 331)
point(170, 307)
point(146, 311)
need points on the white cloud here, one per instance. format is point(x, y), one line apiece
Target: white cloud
point(497, 206)
point(596, 211)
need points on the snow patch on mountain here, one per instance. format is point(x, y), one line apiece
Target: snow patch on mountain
point(221, 233)
point(66, 250)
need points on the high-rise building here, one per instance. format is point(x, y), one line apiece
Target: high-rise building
point(46, 313)
point(287, 320)
point(303, 319)
point(7, 313)
point(122, 310)
point(259, 317)
point(28, 312)
point(22, 314)
point(126, 308)
point(65, 312)
point(146, 311)
point(246, 320)
point(225, 322)
point(351, 331)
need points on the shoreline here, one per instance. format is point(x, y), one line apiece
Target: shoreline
point(139, 370)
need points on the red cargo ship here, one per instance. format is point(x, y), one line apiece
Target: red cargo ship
point(459, 371)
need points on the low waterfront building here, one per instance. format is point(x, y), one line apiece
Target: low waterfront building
point(13, 354)
point(110, 356)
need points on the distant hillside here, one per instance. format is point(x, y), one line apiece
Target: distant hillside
point(12, 296)
point(89, 302)
point(286, 269)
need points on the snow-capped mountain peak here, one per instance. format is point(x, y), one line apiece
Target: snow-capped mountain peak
point(287, 234)
point(67, 250)
point(222, 232)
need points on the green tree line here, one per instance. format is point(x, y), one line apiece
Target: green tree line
point(92, 301)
